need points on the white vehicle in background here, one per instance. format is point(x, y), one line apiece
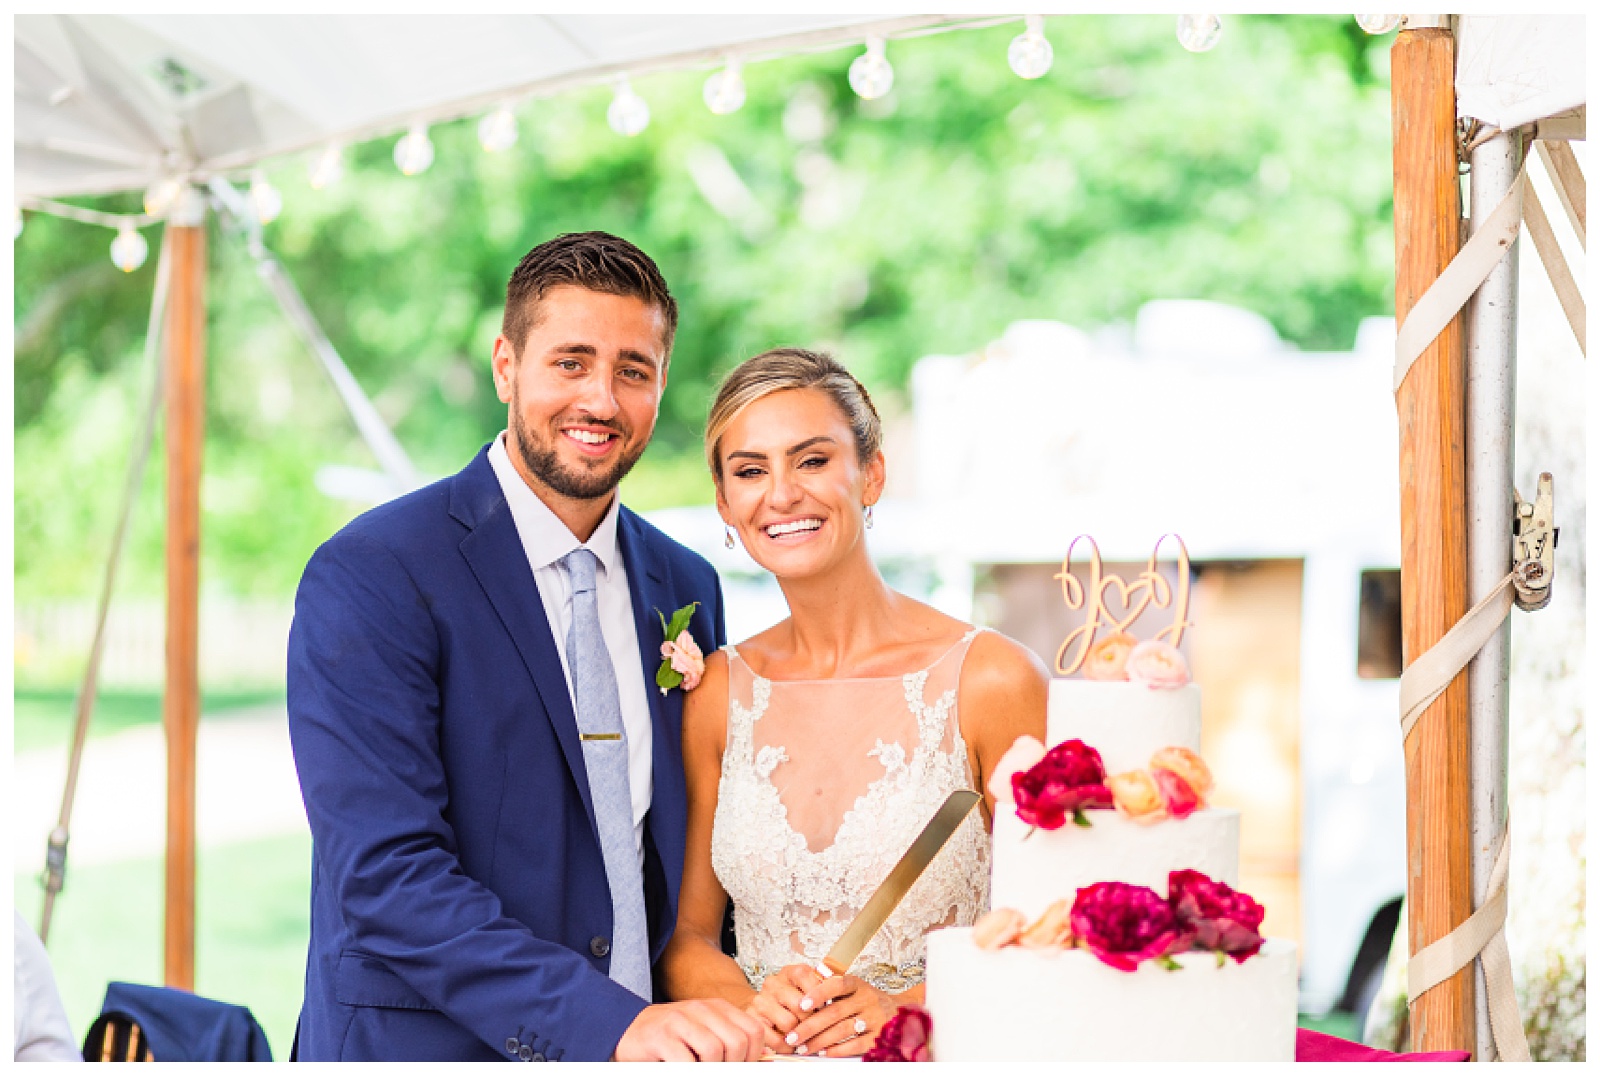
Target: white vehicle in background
point(1279, 470)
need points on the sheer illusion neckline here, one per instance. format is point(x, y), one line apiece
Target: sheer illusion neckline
point(952, 647)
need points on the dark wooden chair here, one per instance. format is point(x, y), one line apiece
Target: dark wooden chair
point(116, 1038)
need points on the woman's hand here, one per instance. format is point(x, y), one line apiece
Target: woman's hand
point(778, 1005)
point(843, 1015)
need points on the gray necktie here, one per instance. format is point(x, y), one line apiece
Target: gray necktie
point(599, 712)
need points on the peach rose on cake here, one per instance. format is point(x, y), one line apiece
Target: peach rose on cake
point(1157, 665)
point(1024, 754)
point(1135, 794)
point(1108, 660)
point(1187, 764)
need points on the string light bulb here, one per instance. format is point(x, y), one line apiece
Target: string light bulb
point(129, 250)
point(328, 167)
point(628, 113)
point(413, 153)
point(159, 196)
point(16, 231)
point(870, 74)
point(1030, 54)
point(264, 198)
point(1199, 33)
point(1377, 24)
point(724, 90)
point(498, 130)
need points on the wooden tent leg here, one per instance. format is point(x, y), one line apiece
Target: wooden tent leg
point(185, 408)
point(1433, 528)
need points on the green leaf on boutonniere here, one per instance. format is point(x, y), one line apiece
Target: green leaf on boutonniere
point(667, 677)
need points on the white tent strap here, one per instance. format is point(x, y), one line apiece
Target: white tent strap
point(1567, 176)
point(1482, 934)
point(1428, 675)
point(1555, 265)
point(1452, 288)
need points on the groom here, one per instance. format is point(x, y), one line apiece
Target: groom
point(493, 780)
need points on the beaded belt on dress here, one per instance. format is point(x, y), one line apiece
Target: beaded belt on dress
point(886, 977)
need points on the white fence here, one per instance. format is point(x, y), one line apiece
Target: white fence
point(242, 643)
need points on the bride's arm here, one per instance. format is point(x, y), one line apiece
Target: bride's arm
point(694, 965)
point(1003, 695)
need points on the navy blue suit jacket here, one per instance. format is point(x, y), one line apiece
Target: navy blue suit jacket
point(459, 905)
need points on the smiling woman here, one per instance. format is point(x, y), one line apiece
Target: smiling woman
point(832, 736)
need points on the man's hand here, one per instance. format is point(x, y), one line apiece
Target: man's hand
point(705, 1030)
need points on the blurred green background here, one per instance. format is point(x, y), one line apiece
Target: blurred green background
point(1256, 174)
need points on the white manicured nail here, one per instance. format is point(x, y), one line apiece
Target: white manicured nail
point(806, 1004)
point(791, 1038)
point(822, 1053)
point(800, 1050)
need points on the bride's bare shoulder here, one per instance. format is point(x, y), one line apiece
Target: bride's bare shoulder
point(999, 666)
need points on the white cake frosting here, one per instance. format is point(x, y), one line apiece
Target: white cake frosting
point(1124, 721)
point(1053, 865)
point(1019, 1004)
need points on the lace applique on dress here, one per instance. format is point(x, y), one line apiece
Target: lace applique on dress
point(824, 785)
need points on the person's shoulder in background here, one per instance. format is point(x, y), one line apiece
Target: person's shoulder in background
point(43, 1033)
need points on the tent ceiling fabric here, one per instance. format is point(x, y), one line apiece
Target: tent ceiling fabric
point(109, 103)
point(1515, 69)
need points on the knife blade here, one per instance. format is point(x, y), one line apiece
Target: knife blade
point(946, 820)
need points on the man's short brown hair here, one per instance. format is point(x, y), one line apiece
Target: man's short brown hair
point(596, 261)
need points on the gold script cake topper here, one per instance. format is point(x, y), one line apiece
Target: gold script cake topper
point(1150, 587)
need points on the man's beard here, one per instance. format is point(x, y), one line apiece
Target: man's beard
point(542, 460)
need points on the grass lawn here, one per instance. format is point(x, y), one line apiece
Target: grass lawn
point(45, 717)
point(252, 926)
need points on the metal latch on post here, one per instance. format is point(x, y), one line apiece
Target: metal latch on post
point(1533, 546)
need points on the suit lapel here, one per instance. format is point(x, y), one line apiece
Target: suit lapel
point(495, 553)
point(650, 583)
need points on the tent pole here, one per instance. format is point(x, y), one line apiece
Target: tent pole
point(1491, 444)
point(185, 408)
point(1433, 576)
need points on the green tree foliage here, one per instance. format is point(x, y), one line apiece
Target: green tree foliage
point(1256, 174)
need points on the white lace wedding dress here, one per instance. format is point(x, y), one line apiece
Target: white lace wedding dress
point(825, 783)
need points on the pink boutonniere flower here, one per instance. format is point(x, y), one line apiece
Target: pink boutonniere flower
point(682, 663)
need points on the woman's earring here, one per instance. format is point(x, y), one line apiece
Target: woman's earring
point(727, 539)
point(869, 516)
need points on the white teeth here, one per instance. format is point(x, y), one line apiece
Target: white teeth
point(784, 528)
point(593, 438)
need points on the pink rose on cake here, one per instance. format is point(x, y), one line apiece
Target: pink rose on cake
point(1157, 665)
point(1188, 766)
point(1220, 918)
point(1067, 781)
point(1024, 754)
point(1124, 925)
point(904, 1037)
point(1135, 794)
point(1108, 660)
point(1180, 798)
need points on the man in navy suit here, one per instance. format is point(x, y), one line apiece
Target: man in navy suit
point(493, 780)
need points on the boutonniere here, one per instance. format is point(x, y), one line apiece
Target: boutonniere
point(682, 663)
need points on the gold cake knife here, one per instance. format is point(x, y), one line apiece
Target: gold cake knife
point(946, 820)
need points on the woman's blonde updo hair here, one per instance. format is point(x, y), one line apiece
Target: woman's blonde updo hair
point(792, 369)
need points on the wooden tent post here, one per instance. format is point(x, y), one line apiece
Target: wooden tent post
point(1433, 526)
point(185, 408)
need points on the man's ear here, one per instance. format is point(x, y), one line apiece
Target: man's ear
point(505, 367)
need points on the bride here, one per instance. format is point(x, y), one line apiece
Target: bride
point(817, 750)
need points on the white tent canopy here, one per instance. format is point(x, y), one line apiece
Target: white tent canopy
point(112, 103)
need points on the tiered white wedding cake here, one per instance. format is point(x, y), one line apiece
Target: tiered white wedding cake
point(1095, 949)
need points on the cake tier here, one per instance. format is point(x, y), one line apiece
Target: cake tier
point(1126, 722)
point(1053, 865)
point(1018, 1004)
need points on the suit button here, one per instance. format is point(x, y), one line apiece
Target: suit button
point(538, 1056)
point(599, 946)
point(512, 1046)
point(525, 1052)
